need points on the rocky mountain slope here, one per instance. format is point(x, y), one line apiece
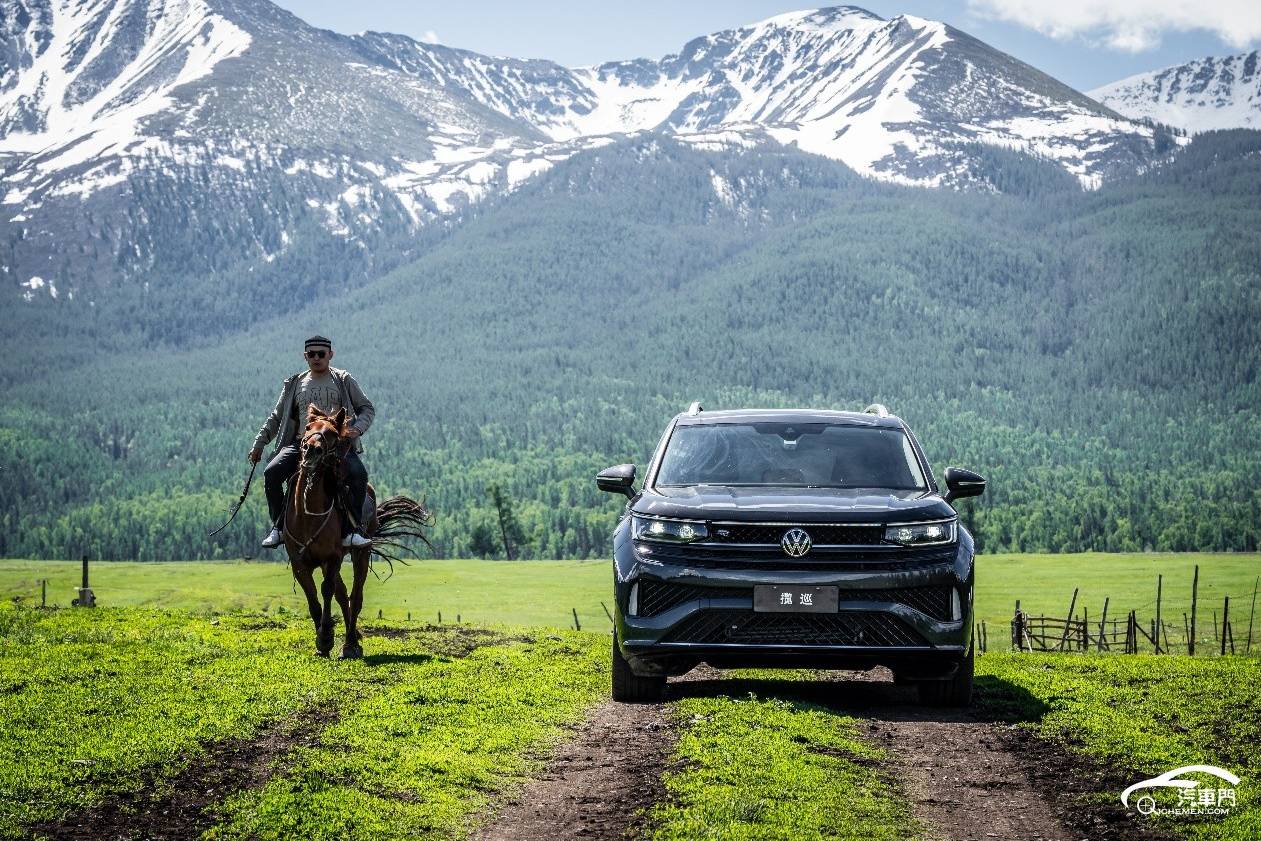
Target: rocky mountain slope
point(1202, 95)
point(144, 141)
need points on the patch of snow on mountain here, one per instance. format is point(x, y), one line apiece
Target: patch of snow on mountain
point(70, 132)
point(1201, 95)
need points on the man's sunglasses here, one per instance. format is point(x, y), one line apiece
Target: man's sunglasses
point(316, 354)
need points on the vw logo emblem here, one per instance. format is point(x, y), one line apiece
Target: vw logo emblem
point(796, 542)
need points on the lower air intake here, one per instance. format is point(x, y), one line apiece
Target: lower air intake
point(744, 627)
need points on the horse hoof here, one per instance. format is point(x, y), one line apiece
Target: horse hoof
point(319, 653)
point(351, 652)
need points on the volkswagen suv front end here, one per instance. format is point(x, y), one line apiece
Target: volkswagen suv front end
point(792, 539)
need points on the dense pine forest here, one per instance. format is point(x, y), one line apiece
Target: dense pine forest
point(1094, 354)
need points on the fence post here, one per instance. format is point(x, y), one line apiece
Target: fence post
point(1016, 630)
point(43, 602)
point(1248, 647)
point(1103, 622)
point(1160, 580)
point(1225, 619)
point(1083, 635)
point(1186, 629)
point(1195, 589)
point(1064, 636)
point(985, 637)
point(577, 624)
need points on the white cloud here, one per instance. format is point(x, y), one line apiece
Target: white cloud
point(429, 37)
point(1131, 25)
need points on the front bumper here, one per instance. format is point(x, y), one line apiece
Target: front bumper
point(687, 613)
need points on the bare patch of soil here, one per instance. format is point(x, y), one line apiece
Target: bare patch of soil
point(970, 777)
point(1074, 783)
point(182, 807)
point(446, 640)
point(600, 784)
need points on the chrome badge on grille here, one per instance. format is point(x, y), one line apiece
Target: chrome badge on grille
point(796, 542)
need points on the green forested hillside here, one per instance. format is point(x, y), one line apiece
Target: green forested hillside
point(1095, 355)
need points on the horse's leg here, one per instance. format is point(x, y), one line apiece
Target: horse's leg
point(359, 562)
point(324, 638)
point(306, 580)
point(343, 600)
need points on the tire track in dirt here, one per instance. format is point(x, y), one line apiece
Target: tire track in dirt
point(969, 777)
point(962, 781)
point(600, 783)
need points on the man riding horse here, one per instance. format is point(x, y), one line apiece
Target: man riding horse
point(327, 388)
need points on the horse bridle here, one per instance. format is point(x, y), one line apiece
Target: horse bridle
point(316, 469)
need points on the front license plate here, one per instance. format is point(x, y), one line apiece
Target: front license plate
point(778, 598)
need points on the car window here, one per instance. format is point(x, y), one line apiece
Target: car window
point(790, 455)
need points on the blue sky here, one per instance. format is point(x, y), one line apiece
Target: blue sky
point(1086, 50)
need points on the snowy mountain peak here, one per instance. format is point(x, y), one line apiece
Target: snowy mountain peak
point(79, 68)
point(1201, 95)
point(832, 18)
point(236, 117)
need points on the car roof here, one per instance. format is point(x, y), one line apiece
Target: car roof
point(789, 416)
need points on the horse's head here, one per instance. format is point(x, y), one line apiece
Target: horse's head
point(322, 435)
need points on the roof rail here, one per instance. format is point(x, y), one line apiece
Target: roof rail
point(695, 409)
point(876, 409)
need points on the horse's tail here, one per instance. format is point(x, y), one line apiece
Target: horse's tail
point(398, 518)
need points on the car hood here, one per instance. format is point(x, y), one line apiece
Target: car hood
point(793, 505)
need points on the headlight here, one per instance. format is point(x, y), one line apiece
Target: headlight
point(668, 531)
point(921, 534)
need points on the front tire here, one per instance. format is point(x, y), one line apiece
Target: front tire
point(629, 687)
point(952, 692)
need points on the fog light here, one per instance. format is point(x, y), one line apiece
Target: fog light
point(956, 609)
point(632, 607)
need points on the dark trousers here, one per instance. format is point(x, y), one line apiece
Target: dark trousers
point(281, 468)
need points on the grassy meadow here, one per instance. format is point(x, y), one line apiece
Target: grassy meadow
point(543, 593)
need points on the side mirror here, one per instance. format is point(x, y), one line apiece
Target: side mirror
point(961, 483)
point(619, 479)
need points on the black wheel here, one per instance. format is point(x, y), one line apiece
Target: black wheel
point(630, 687)
point(953, 692)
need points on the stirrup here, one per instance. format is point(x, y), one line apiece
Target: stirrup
point(355, 540)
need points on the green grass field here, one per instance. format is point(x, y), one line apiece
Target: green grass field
point(408, 742)
point(124, 702)
point(543, 593)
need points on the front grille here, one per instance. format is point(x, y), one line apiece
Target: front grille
point(773, 558)
point(744, 627)
point(822, 534)
point(657, 597)
point(932, 601)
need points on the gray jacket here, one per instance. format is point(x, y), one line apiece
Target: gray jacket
point(281, 420)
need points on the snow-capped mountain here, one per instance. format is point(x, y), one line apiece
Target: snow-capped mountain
point(894, 99)
point(237, 123)
point(1202, 95)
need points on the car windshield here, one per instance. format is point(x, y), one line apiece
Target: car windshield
point(793, 455)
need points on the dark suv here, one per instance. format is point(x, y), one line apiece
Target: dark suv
point(792, 539)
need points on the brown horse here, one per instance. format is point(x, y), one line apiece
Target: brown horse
point(313, 531)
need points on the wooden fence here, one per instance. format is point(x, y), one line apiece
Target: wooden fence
point(1129, 634)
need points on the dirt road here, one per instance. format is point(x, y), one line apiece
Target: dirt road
point(966, 778)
